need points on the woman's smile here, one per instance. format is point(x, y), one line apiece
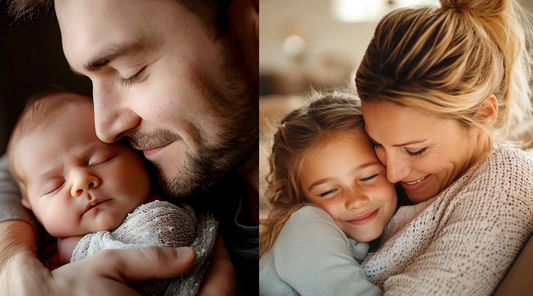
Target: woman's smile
point(417, 184)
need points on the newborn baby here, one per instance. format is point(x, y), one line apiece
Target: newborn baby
point(94, 196)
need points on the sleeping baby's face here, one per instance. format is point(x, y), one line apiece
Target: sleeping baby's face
point(75, 183)
point(350, 184)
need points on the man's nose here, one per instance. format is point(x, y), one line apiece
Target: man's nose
point(112, 117)
point(398, 168)
point(82, 181)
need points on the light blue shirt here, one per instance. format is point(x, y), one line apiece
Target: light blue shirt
point(313, 256)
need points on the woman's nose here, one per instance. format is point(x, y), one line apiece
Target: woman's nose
point(398, 168)
point(82, 180)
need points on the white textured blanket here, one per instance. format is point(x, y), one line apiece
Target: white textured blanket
point(161, 224)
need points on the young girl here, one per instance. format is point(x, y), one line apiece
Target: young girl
point(324, 176)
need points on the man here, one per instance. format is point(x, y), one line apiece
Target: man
point(179, 80)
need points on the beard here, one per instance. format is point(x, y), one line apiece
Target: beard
point(234, 95)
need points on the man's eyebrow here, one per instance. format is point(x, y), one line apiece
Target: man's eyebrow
point(112, 52)
point(360, 167)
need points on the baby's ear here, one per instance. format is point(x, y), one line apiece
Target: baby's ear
point(26, 204)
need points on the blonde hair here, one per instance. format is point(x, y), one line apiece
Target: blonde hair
point(40, 112)
point(303, 134)
point(448, 60)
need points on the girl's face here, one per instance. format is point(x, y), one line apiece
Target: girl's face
point(422, 152)
point(349, 182)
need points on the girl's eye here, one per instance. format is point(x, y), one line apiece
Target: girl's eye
point(327, 193)
point(369, 178)
point(419, 152)
point(133, 79)
point(53, 186)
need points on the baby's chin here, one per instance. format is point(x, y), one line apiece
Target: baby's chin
point(104, 222)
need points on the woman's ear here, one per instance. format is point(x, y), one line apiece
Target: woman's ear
point(488, 113)
point(26, 204)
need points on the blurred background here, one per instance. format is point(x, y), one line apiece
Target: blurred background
point(311, 43)
point(31, 61)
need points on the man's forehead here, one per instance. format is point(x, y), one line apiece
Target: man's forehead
point(96, 59)
point(89, 31)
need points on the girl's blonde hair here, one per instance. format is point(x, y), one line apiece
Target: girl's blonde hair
point(302, 135)
point(448, 60)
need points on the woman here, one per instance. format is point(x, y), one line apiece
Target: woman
point(439, 87)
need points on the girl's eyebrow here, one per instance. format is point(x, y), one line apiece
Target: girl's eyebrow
point(321, 181)
point(365, 165)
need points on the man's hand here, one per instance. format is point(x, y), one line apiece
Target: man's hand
point(105, 273)
point(220, 280)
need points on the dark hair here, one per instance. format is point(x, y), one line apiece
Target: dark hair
point(211, 12)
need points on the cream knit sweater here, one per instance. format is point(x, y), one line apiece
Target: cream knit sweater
point(462, 241)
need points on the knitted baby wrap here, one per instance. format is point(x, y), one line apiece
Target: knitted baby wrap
point(161, 224)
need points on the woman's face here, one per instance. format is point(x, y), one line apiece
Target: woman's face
point(349, 183)
point(421, 151)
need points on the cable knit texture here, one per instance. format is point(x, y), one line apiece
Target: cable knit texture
point(462, 241)
point(161, 224)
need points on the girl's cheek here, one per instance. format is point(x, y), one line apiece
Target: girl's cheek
point(329, 205)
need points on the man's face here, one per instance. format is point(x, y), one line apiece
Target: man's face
point(75, 183)
point(160, 79)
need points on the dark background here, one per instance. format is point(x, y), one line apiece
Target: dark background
point(31, 61)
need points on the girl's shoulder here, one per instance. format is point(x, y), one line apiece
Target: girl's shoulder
point(309, 217)
point(309, 225)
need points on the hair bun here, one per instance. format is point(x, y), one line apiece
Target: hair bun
point(455, 5)
point(482, 8)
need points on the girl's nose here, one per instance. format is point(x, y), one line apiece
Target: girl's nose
point(356, 200)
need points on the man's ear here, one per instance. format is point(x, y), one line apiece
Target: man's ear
point(243, 18)
point(488, 113)
point(26, 204)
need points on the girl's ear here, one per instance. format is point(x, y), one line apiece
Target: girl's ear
point(26, 204)
point(488, 113)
